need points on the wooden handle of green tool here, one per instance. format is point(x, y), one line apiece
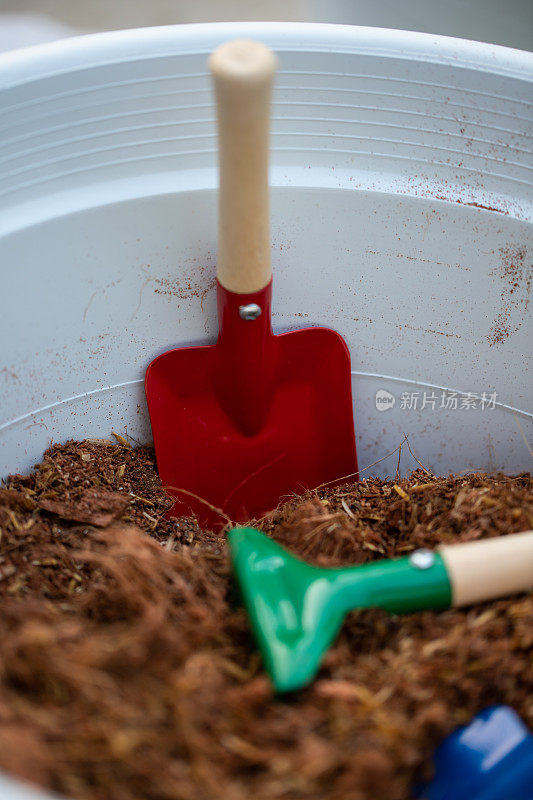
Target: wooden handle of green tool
point(243, 72)
point(489, 568)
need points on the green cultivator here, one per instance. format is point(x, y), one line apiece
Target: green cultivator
point(296, 609)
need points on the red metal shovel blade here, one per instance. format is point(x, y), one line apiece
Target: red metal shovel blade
point(245, 423)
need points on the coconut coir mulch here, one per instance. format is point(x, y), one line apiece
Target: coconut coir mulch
point(127, 667)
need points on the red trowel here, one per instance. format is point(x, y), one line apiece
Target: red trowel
point(241, 425)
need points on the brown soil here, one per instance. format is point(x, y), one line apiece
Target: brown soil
point(127, 668)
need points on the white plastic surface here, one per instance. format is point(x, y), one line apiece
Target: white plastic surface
point(14, 790)
point(387, 150)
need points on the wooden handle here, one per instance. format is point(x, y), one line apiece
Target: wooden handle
point(243, 72)
point(489, 568)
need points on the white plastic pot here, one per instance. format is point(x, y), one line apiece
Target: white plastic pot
point(387, 150)
point(401, 216)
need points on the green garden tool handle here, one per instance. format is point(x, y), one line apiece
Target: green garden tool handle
point(454, 575)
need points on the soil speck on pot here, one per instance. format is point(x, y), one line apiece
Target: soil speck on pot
point(516, 276)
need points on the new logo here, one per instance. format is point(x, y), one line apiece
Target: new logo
point(384, 400)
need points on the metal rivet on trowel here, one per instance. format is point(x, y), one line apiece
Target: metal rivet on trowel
point(251, 311)
point(422, 559)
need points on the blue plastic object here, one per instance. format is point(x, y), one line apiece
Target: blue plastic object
point(489, 759)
